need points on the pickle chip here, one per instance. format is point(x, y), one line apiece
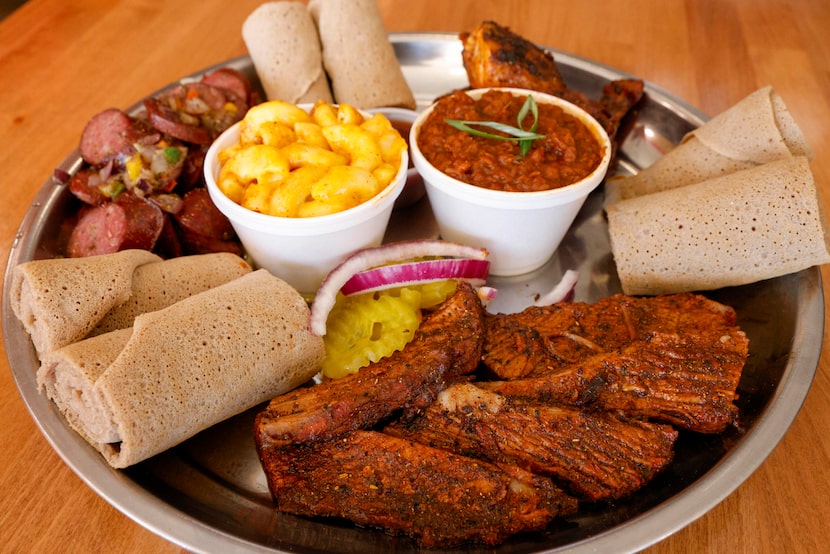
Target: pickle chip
point(363, 328)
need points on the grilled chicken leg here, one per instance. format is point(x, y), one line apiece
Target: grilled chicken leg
point(495, 56)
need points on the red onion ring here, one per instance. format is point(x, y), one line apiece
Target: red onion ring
point(370, 258)
point(412, 273)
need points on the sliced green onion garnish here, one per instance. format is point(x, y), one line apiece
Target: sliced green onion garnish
point(528, 106)
point(515, 133)
point(518, 134)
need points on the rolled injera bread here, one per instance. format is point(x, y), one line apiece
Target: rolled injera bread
point(741, 228)
point(285, 50)
point(358, 56)
point(757, 130)
point(161, 284)
point(67, 376)
point(60, 300)
point(187, 367)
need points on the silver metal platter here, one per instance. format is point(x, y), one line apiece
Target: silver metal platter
point(209, 494)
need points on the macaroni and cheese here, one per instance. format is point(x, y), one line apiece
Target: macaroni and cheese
point(293, 163)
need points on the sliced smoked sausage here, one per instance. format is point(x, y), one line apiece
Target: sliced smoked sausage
point(202, 227)
point(200, 215)
point(106, 135)
point(231, 79)
point(111, 134)
point(84, 185)
point(128, 222)
point(170, 122)
point(195, 112)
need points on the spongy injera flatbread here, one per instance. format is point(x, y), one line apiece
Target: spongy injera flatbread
point(60, 300)
point(757, 130)
point(63, 300)
point(741, 228)
point(200, 361)
point(358, 56)
point(67, 377)
point(158, 285)
point(284, 47)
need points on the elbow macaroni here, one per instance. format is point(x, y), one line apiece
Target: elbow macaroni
point(293, 163)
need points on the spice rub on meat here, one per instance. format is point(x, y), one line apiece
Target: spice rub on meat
point(446, 346)
point(321, 457)
point(661, 378)
point(421, 444)
point(543, 340)
point(592, 455)
point(439, 498)
point(675, 358)
point(495, 56)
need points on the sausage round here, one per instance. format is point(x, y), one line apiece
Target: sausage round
point(128, 222)
point(195, 112)
point(169, 122)
point(230, 79)
point(105, 135)
point(200, 215)
point(202, 227)
point(84, 190)
point(113, 133)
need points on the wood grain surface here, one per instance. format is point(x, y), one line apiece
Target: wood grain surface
point(62, 61)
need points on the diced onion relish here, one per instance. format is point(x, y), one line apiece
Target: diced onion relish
point(363, 328)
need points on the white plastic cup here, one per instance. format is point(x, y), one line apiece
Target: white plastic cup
point(521, 230)
point(301, 251)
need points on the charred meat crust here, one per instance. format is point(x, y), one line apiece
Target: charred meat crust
point(446, 346)
point(415, 445)
point(438, 498)
point(592, 455)
point(543, 340)
point(661, 379)
point(320, 458)
point(495, 56)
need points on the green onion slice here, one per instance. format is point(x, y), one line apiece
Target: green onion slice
point(528, 106)
point(518, 134)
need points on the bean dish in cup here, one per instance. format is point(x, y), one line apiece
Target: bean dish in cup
point(514, 196)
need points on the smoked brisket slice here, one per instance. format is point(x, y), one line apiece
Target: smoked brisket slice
point(465, 462)
point(321, 459)
point(438, 498)
point(545, 340)
point(594, 456)
point(661, 378)
point(446, 346)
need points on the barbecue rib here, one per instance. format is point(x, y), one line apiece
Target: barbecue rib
point(494, 56)
point(438, 498)
point(545, 340)
point(446, 346)
point(662, 378)
point(594, 456)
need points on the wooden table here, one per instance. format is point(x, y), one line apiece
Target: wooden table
point(61, 61)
